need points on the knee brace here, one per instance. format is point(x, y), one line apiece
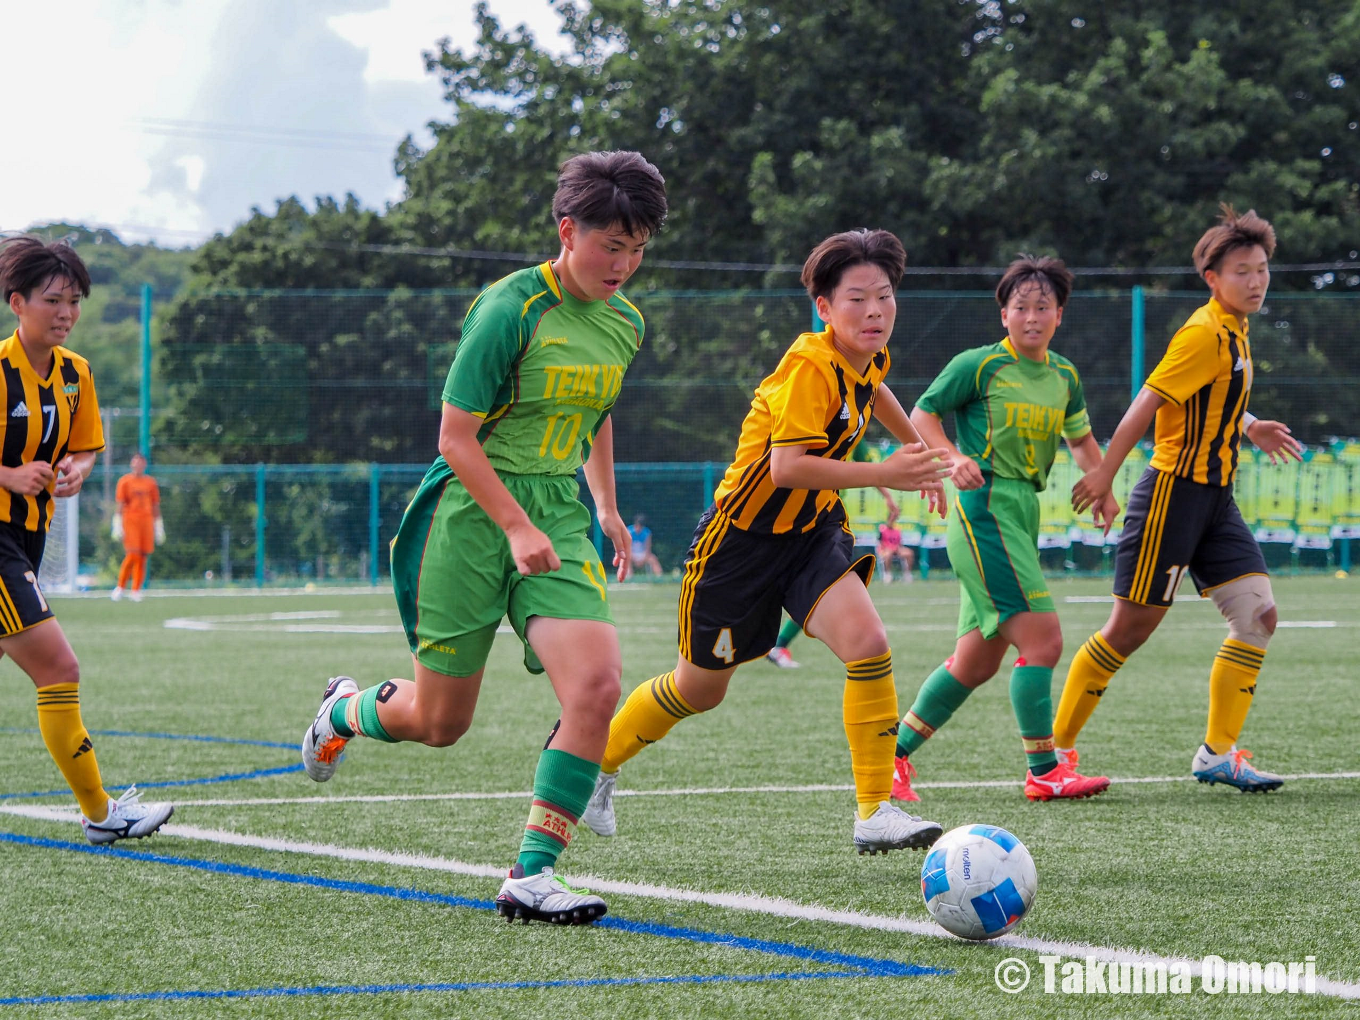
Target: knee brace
point(1243, 602)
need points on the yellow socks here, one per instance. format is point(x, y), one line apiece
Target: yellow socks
point(1232, 684)
point(870, 711)
point(68, 743)
point(1087, 678)
point(647, 716)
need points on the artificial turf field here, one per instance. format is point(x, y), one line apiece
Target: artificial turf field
point(733, 888)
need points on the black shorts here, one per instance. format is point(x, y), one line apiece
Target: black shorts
point(1173, 526)
point(736, 583)
point(21, 600)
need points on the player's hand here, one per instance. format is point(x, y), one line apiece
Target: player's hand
point(916, 469)
point(116, 526)
point(532, 550)
point(1104, 511)
point(1273, 439)
point(160, 531)
point(617, 532)
point(29, 479)
point(1091, 487)
point(967, 475)
point(937, 502)
point(69, 480)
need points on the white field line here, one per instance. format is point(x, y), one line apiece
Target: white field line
point(689, 791)
point(771, 906)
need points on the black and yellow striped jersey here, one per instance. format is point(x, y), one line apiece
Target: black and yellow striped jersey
point(1205, 377)
point(44, 420)
point(814, 398)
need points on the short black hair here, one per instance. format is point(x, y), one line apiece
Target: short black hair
point(1234, 230)
point(27, 263)
point(1051, 275)
point(828, 262)
point(601, 189)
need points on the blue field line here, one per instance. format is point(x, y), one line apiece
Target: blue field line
point(230, 777)
point(166, 736)
point(451, 986)
point(848, 965)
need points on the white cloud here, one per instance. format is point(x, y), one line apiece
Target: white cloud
point(171, 119)
point(395, 35)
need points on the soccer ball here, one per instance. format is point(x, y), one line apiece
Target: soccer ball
point(978, 881)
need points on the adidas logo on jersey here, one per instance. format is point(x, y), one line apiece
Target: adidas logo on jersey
point(845, 412)
point(20, 412)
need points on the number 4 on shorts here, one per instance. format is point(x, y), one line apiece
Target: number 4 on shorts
point(722, 648)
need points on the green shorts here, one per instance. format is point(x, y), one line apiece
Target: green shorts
point(993, 542)
point(455, 579)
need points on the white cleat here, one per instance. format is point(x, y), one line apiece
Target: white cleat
point(1233, 768)
point(891, 828)
point(135, 594)
point(599, 812)
point(128, 818)
point(322, 747)
point(782, 658)
point(117, 593)
point(545, 897)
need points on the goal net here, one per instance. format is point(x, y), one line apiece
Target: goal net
point(61, 557)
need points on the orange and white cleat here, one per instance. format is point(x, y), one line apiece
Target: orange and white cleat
point(322, 747)
point(903, 773)
point(1064, 783)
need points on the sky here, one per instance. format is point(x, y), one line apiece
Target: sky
point(168, 120)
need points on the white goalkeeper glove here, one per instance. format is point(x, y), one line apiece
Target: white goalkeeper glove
point(160, 531)
point(117, 526)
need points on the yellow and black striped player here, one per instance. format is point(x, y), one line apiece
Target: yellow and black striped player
point(49, 436)
point(776, 538)
point(1182, 518)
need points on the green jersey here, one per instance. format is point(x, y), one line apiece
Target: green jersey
point(1010, 412)
point(542, 368)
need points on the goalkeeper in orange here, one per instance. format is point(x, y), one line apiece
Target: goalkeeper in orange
point(138, 523)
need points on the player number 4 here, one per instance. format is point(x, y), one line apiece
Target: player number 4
point(722, 648)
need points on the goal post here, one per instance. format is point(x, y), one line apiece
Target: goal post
point(61, 557)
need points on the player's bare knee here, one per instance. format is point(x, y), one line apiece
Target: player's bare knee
point(1248, 604)
point(867, 642)
point(445, 733)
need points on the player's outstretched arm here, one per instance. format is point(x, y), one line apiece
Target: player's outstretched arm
point(532, 550)
point(967, 474)
point(600, 480)
point(1272, 438)
point(1086, 453)
point(1095, 485)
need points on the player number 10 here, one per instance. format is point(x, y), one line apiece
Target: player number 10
point(567, 426)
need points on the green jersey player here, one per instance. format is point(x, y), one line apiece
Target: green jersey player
point(1013, 401)
point(497, 529)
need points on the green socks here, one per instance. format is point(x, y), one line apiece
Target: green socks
point(358, 715)
point(787, 633)
point(939, 698)
point(563, 784)
point(1032, 700)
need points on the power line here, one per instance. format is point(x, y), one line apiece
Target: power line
point(785, 267)
point(285, 136)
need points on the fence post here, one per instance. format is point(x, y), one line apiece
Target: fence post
point(259, 525)
point(1137, 340)
point(144, 426)
point(373, 521)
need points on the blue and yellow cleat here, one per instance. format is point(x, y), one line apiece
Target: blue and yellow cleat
point(1233, 768)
